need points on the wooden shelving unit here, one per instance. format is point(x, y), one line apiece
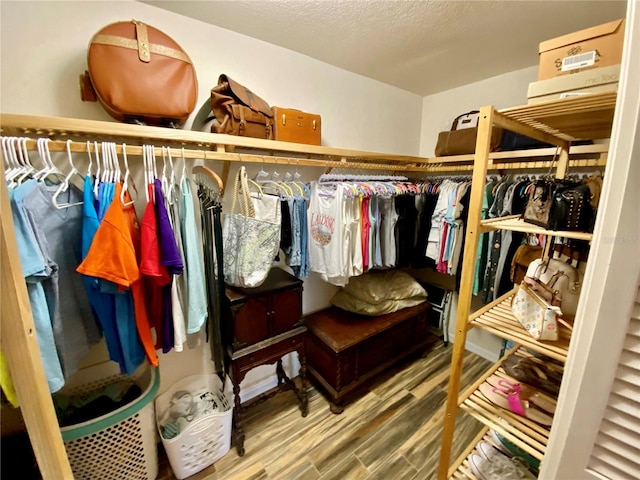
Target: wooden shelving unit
point(558, 123)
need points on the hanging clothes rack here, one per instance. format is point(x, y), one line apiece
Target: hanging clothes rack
point(19, 340)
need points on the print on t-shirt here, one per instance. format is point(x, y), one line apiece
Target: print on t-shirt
point(322, 228)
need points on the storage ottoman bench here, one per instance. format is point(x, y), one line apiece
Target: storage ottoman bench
point(344, 350)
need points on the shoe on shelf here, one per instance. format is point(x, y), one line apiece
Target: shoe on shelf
point(538, 373)
point(499, 468)
point(510, 399)
point(488, 451)
point(527, 392)
point(509, 448)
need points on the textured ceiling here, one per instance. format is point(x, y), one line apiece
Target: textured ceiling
point(424, 46)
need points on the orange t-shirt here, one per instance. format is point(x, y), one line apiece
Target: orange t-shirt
point(113, 255)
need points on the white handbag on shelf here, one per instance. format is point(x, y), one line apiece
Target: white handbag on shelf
point(540, 318)
point(567, 284)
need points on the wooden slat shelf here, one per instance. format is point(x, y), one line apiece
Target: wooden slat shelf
point(463, 472)
point(526, 434)
point(514, 223)
point(497, 318)
point(460, 468)
point(584, 117)
point(529, 154)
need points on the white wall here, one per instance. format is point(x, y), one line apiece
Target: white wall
point(43, 50)
point(438, 112)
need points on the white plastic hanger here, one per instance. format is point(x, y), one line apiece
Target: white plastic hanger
point(183, 176)
point(64, 186)
point(127, 177)
point(97, 178)
point(117, 172)
point(28, 167)
point(104, 160)
point(163, 179)
point(14, 168)
point(51, 168)
point(90, 159)
point(145, 166)
point(171, 193)
point(149, 170)
point(43, 159)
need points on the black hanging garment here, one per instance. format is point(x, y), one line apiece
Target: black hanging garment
point(210, 210)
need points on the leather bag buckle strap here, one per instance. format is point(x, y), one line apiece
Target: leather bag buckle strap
point(144, 52)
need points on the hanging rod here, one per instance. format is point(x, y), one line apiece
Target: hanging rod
point(176, 152)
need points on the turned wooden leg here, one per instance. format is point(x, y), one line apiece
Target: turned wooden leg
point(336, 408)
point(304, 396)
point(238, 431)
point(282, 376)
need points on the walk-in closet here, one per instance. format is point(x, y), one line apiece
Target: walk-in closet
point(436, 276)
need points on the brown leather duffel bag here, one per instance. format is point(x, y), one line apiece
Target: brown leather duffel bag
point(235, 110)
point(139, 75)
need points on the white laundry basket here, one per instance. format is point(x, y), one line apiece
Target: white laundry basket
point(207, 438)
point(121, 444)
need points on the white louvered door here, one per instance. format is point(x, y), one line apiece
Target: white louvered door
point(616, 452)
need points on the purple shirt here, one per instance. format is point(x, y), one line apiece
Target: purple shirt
point(169, 258)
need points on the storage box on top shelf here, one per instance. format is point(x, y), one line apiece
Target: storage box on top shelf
point(603, 79)
point(595, 47)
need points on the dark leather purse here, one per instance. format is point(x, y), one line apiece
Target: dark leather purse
point(235, 110)
point(560, 205)
point(571, 209)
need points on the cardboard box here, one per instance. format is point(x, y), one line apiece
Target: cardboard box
point(589, 81)
point(594, 47)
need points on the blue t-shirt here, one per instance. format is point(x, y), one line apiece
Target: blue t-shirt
point(36, 272)
point(125, 327)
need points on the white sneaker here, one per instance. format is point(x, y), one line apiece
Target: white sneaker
point(498, 468)
point(488, 451)
point(498, 443)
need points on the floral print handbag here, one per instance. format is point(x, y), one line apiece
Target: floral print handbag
point(536, 315)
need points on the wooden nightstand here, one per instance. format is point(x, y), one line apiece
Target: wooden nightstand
point(264, 326)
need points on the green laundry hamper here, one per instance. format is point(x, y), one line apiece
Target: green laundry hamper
point(121, 444)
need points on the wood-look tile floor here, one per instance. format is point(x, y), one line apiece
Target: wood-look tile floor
point(391, 431)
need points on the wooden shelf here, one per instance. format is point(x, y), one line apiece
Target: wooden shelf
point(463, 472)
point(213, 146)
point(460, 468)
point(524, 433)
point(532, 154)
point(497, 318)
point(265, 150)
point(514, 223)
point(584, 117)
